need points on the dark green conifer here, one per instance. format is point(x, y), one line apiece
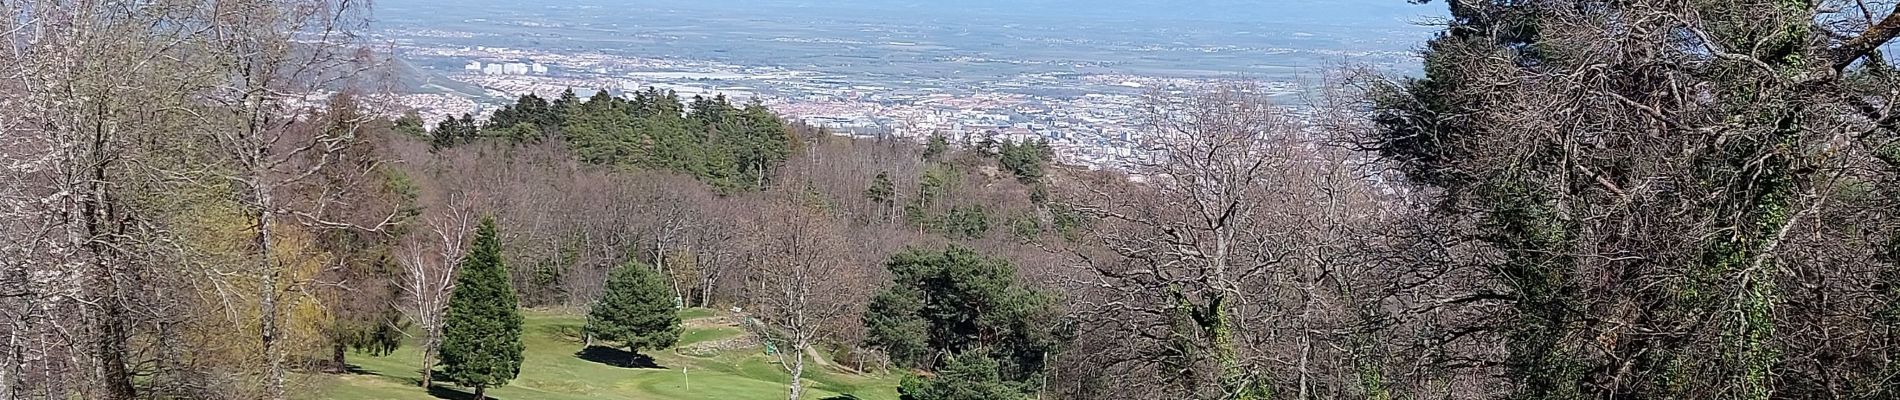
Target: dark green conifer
point(935, 148)
point(956, 301)
point(637, 310)
point(481, 336)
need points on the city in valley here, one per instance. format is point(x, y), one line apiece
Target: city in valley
point(1079, 84)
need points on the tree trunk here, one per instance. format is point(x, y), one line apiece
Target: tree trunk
point(1306, 350)
point(798, 368)
point(659, 263)
point(118, 380)
point(428, 362)
point(267, 300)
point(481, 393)
point(336, 358)
point(109, 324)
point(706, 288)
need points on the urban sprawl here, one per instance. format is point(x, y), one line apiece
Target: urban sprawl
point(1094, 125)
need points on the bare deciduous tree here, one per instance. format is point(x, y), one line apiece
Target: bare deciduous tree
point(800, 284)
point(1234, 266)
point(1642, 189)
point(1190, 247)
point(429, 261)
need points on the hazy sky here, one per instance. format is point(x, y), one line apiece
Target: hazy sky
point(1345, 12)
point(1183, 36)
point(1385, 13)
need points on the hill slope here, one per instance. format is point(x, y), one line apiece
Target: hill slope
point(715, 359)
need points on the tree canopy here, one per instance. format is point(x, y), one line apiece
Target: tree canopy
point(1026, 160)
point(733, 147)
point(1644, 171)
point(637, 310)
point(481, 344)
point(955, 301)
point(970, 375)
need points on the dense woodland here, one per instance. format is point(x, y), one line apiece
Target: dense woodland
point(1577, 199)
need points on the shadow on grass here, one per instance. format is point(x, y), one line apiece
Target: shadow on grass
point(617, 357)
point(329, 366)
point(452, 394)
point(354, 369)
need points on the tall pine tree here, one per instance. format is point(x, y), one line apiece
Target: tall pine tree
point(936, 146)
point(636, 311)
point(883, 194)
point(481, 343)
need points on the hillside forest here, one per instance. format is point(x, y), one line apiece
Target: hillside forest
point(1686, 199)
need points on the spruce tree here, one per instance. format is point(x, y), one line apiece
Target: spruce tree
point(881, 190)
point(882, 193)
point(1025, 160)
point(467, 130)
point(637, 310)
point(481, 343)
point(562, 105)
point(936, 146)
point(444, 134)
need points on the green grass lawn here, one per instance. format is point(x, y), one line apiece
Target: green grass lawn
point(552, 370)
